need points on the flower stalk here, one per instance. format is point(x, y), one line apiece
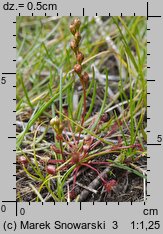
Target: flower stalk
point(78, 68)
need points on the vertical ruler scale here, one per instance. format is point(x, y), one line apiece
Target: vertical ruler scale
point(106, 216)
point(8, 103)
point(154, 97)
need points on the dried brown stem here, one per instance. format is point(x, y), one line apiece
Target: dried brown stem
point(93, 185)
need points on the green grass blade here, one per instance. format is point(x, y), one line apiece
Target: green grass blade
point(60, 95)
point(126, 44)
point(37, 115)
point(103, 104)
point(25, 91)
point(122, 166)
point(93, 97)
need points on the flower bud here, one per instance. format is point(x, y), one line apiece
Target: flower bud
point(74, 45)
point(85, 148)
point(77, 23)
point(54, 121)
point(77, 37)
point(88, 139)
point(78, 69)
point(72, 29)
point(85, 77)
point(80, 57)
point(22, 160)
point(51, 169)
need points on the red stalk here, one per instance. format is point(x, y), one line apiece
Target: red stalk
point(87, 165)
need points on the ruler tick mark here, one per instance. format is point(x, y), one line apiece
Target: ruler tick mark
point(83, 11)
point(147, 10)
point(154, 16)
point(9, 73)
point(16, 208)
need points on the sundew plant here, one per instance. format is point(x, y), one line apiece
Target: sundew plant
point(81, 109)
